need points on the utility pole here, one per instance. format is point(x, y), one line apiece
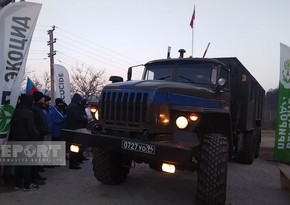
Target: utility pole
point(50, 55)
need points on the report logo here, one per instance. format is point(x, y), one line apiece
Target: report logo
point(33, 153)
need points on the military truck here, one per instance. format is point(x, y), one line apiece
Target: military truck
point(191, 114)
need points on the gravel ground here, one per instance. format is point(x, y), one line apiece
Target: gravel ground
point(247, 185)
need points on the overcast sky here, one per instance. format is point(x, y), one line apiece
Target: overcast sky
point(112, 35)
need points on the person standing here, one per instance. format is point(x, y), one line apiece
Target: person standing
point(87, 112)
point(58, 118)
point(76, 119)
point(40, 120)
point(23, 129)
point(46, 108)
point(42, 128)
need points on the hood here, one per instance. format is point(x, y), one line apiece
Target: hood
point(165, 86)
point(77, 98)
point(171, 93)
point(26, 100)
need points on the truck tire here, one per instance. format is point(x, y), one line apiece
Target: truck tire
point(258, 141)
point(212, 170)
point(108, 167)
point(247, 154)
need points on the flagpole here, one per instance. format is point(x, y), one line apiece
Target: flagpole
point(191, 25)
point(192, 43)
point(56, 110)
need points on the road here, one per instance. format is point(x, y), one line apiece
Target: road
point(247, 184)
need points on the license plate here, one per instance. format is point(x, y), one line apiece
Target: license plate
point(138, 147)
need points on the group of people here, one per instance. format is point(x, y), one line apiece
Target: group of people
point(35, 119)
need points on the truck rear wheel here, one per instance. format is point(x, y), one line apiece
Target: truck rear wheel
point(258, 141)
point(108, 167)
point(247, 155)
point(212, 170)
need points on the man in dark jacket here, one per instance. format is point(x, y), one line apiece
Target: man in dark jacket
point(42, 128)
point(23, 129)
point(40, 120)
point(76, 118)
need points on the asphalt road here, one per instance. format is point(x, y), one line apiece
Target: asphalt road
point(255, 184)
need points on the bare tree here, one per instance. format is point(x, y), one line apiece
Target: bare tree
point(87, 81)
point(35, 79)
point(46, 78)
point(27, 73)
point(84, 80)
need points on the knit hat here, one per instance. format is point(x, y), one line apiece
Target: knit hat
point(58, 101)
point(37, 96)
point(26, 100)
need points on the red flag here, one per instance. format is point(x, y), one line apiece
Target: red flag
point(192, 18)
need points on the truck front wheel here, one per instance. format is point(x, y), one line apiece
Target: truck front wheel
point(108, 167)
point(212, 170)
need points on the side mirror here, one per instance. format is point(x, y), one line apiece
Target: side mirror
point(116, 79)
point(129, 74)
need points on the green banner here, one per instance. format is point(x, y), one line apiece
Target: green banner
point(282, 139)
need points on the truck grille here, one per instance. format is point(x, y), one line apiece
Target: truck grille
point(123, 108)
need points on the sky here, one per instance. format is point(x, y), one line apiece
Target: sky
point(113, 35)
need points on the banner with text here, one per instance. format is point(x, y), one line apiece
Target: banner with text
point(282, 140)
point(17, 24)
point(61, 83)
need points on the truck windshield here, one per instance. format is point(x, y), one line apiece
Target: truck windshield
point(158, 72)
point(196, 73)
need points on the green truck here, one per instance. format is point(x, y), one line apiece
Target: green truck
point(191, 114)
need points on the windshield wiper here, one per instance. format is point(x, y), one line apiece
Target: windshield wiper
point(187, 79)
point(163, 78)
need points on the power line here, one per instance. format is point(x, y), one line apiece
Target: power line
point(83, 47)
point(77, 61)
point(108, 61)
point(88, 54)
point(63, 62)
point(79, 37)
point(93, 48)
point(36, 58)
point(95, 54)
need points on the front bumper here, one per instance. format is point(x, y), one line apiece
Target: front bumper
point(165, 151)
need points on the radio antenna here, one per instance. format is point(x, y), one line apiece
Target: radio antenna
point(205, 50)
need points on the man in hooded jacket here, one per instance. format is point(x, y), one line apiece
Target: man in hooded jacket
point(42, 128)
point(23, 129)
point(76, 118)
point(40, 120)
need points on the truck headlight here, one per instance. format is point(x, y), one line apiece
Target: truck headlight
point(193, 117)
point(93, 109)
point(97, 115)
point(169, 168)
point(164, 119)
point(74, 148)
point(181, 122)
